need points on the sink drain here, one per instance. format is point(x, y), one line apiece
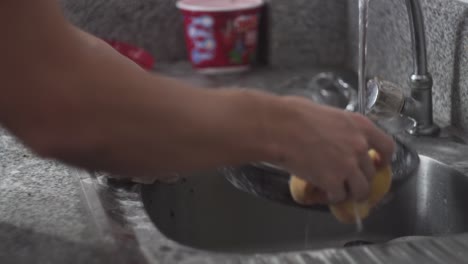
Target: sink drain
point(357, 243)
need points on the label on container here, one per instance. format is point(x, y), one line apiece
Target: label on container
point(221, 39)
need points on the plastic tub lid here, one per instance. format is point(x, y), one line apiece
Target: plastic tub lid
point(218, 5)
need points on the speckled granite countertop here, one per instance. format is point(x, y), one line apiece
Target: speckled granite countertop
point(41, 216)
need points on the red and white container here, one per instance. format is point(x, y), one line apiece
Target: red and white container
point(221, 35)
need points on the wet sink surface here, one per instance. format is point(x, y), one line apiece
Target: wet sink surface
point(206, 212)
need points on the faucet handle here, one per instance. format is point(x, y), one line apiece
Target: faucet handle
point(384, 97)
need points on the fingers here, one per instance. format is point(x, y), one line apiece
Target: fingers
point(340, 159)
point(367, 167)
point(358, 187)
point(337, 193)
point(356, 184)
point(376, 138)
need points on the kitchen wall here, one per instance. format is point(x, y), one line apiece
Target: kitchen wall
point(460, 75)
point(307, 33)
point(155, 25)
point(299, 32)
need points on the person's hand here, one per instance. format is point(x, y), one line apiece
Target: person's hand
point(329, 148)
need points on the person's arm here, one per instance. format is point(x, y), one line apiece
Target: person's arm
point(75, 98)
point(70, 96)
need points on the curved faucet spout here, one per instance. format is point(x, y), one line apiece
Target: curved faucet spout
point(418, 37)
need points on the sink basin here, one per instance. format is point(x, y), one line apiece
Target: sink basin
point(204, 211)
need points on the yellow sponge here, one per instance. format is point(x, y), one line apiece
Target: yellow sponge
point(307, 194)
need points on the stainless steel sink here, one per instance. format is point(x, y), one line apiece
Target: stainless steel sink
point(204, 211)
point(168, 223)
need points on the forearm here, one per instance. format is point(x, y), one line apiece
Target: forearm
point(98, 110)
point(157, 124)
point(160, 125)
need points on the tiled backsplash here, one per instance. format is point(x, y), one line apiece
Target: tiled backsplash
point(311, 33)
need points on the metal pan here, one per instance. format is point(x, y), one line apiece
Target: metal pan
point(272, 182)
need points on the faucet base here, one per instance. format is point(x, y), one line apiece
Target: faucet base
point(432, 130)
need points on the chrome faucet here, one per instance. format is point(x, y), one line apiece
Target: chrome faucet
point(384, 96)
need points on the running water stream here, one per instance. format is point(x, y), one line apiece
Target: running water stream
point(362, 55)
point(362, 95)
point(362, 70)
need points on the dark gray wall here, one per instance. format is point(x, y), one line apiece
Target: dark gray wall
point(155, 25)
point(299, 35)
point(389, 50)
